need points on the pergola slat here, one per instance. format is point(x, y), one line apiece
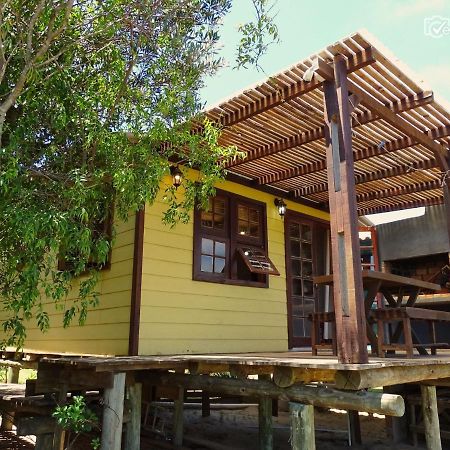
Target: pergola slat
point(362, 211)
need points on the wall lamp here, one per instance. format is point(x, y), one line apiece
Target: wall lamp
point(281, 206)
point(177, 176)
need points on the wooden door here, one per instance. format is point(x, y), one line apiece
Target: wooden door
point(306, 246)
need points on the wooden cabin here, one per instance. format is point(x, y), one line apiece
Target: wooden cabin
point(344, 133)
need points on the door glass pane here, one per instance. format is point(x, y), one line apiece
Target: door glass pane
point(243, 213)
point(243, 228)
point(297, 287)
point(295, 248)
point(254, 215)
point(294, 231)
point(219, 221)
point(296, 267)
point(306, 250)
point(298, 326)
point(306, 233)
point(220, 249)
point(219, 206)
point(307, 268)
point(308, 288)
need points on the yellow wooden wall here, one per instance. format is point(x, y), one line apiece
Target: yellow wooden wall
point(107, 326)
point(179, 315)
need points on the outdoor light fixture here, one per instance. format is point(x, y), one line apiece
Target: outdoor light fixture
point(279, 203)
point(177, 176)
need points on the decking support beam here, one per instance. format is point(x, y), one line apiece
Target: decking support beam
point(431, 417)
point(178, 418)
point(113, 413)
point(348, 289)
point(265, 423)
point(302, 426)
point(133, 427)
point(388, 404)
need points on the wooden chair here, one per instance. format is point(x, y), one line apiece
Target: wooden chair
point(317, 344)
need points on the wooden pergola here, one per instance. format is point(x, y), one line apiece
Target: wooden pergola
point(350, 131)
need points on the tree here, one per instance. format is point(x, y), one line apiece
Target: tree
point(97, 99)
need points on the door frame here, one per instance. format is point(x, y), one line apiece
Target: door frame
point(292, 216)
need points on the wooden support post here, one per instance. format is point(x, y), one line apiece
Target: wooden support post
point(133, 427)
point(302, 426)
point(178, 419)
point(60, 434)
point(348, 289)
point(13, 374)
point(265, 423)
point(113, 413)
point(431, 417)
point(206, 404)
point(354, 428)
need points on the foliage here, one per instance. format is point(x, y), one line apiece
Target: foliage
point(78, 418)
point(97, 99)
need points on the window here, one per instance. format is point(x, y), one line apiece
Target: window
point(230, 242)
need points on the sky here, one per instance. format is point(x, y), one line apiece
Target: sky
point(416, 31)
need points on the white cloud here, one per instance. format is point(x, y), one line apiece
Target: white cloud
point(402, 8)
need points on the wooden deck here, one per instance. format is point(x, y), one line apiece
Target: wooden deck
point(298, 366)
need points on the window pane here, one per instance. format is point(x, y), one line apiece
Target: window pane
point(298, 327)
point(207, 246)
point(297, 287)
point(295, 248)
point(206, 264)
point(306, 250)
point(306, 233)
point(307, 268)
point(243, 213)
point(219, 221)
point(254, 215)
point(219, 265)
point(207, 219)
point(243, 228)
point(254, 230)
point(219, 206)
point(220, 249)
point(294, 231)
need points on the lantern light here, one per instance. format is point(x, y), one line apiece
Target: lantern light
point(281, 206)
point(177, 176)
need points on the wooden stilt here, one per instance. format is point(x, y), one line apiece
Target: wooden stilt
point(113, 413)
point(265, 423)
point(206, 404)
point(13, 374)
point(133, 427)
point(178, 419)
point(348, 289)
point(354, 428)
point(431, 417)
point(302, 426)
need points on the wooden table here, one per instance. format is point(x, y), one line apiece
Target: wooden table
point(397, 290)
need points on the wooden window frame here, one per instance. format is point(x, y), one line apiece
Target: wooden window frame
point(234, 241)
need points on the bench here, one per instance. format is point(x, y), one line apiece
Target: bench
point(404, 315)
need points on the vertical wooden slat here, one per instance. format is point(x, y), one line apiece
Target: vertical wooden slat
point(348, 289)
point(302, 426)
point(431, 417)
point(133, 427)
point(265, 423)
point(113, 413)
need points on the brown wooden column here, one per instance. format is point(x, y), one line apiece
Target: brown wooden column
point(348, 289)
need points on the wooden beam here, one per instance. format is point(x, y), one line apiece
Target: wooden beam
point(431, 417)
point(440, 152)
point(327, 397)
point(389, 376)
point(362, 211)
point(376, 175)
point(284, 93)
point(113, 413)
point(401, 190)
point(133, 426)
point(346, 255)
point(302, 426)
point(178, 418)
point(306, 137)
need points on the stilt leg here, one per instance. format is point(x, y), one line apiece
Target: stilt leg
point(265, 423)
point(431, 417)
point(178, 419)
point(133, 427)
point(302, 426)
